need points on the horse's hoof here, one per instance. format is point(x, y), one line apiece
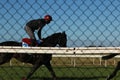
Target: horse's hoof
point(54, 78)
point(24, 78)
point(108, 78)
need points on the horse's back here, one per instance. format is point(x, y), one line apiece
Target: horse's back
point(10, 43)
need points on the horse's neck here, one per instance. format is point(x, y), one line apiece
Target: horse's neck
point(51, 42)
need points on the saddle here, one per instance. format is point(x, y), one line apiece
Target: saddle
point(27, 42)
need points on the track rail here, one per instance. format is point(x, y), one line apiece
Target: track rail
point(60, 50)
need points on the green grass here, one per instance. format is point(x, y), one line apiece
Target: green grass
point(85, 70)
point(63, 73)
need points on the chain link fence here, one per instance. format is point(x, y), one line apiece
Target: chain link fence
point(88, 23)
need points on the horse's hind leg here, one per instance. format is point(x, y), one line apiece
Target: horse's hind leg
point(49, 67)
point(5, 57)
point(115, 71)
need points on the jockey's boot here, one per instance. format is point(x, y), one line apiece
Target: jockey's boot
point(33, 43)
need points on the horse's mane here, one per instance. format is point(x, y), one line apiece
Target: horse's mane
point(53, 36)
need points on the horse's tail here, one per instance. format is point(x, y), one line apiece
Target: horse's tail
point(106, 57)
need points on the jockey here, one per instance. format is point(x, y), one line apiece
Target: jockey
point(36, 24)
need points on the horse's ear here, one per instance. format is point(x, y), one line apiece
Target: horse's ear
point(63, 32)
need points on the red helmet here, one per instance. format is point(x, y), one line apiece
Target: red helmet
point(48, 17)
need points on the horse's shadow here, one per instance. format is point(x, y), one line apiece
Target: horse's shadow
point(70, 78)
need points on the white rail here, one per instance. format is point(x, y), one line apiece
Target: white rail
point(41, 50)
point(90, 52)
point(59, 50)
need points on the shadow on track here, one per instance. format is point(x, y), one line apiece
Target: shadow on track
point(70, 78)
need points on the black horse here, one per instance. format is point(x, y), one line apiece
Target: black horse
point(35, 59)
point(113, 74)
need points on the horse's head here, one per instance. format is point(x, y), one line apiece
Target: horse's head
point(55, 39)
point(62, 40)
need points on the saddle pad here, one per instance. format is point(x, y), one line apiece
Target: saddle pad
point(26, 40)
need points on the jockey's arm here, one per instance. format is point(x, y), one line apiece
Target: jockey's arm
point(39, 34)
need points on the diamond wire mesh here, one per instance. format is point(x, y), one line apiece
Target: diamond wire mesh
point(86, 22)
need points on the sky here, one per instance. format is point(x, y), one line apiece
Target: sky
point(86, 22)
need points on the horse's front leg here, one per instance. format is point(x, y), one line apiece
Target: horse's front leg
point(114, 72)
point(49, 67)
point(34, 68)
